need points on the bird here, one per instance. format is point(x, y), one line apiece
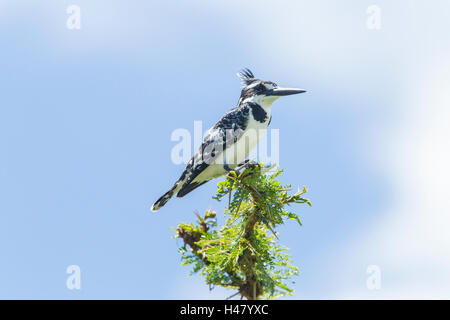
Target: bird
point(229, 142)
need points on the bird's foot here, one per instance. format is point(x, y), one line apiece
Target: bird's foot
point(247, 164)
point(227, 168)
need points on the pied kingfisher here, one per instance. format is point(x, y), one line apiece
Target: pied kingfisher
point(228, 144)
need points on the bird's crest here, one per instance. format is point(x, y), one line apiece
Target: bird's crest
point(246, 77)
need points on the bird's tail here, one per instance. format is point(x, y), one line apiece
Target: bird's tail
point(166, 196)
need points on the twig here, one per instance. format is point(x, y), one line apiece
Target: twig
point(233, 295)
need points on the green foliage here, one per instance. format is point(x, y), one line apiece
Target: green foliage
point(244, 253)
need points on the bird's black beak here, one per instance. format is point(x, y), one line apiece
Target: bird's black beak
point(279, 92)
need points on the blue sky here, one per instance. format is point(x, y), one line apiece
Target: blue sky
point(86, 118)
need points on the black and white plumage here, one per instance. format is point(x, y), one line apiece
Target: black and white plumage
point(229, 142)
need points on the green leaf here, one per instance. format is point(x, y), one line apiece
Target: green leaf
point(245, 247)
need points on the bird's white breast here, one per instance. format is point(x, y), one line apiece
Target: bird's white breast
point(239, 151)
point(236, 153)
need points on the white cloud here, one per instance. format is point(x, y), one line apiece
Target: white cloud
point(411, 243)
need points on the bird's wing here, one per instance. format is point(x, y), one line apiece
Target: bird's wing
point(230, 126)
